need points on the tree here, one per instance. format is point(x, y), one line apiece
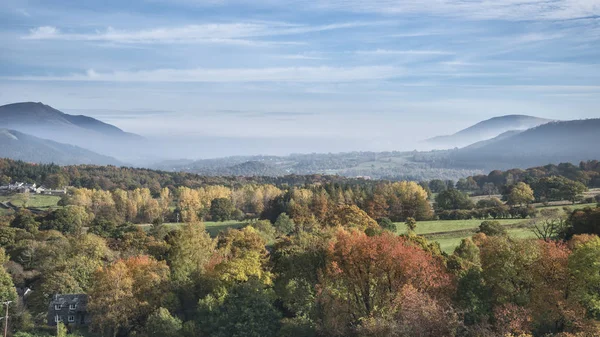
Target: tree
point(491, 228)
point(242, 256)
point(351, 217)
point(125, 293)
point(7, 288)
point(284, 225)
point(411, 224)
point(549, 229)
point(520, 194)
point(24, 219)
point(437, 186)
point(507, 264)
point(365, 274)
point(162, 324)
point(585, 269)
point(453, 199)
point(246, 311)
point(388, 225)
point(583, 221)
point(68, 220)
point(191, 250)
point(222, 209)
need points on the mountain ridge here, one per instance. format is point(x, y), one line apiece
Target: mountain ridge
point(554, 142)
point(21, 146)
point(487, 129)
point(44, 121)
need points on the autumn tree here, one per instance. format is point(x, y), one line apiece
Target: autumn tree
point(520, 194)
point(351, 217)
point(366, 274)
point(125, 293)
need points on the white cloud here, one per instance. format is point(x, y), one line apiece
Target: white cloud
point(233, 33)
point(232, 75)
point(43, 32)
point(477, 10)
point(404, 52)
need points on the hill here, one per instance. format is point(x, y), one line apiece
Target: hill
point(20, 146)
point(570, 141)
point(486, 130)
point(46, 122)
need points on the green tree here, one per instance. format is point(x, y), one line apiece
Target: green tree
point(246, 311)
point(191, 249)
point(388, 225)
point(584, 265)
point(284, 225)
point(162, 324)
point(222, 209)
point(492, 228)
point(68, 220)
point(24, 219)
point(411, 224)
point(453, 199)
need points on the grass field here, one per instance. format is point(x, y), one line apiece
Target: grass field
point(449, 233)
point(437, 226)
point(450, 241)
point(35, 200)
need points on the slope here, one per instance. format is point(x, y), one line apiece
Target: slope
point(20, 146)
point(555, 142)
point(486, 130)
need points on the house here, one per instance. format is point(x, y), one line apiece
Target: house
point(70, 309)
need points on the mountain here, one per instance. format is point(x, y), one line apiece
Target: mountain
point(486, 142)
point(486, 130)
point(554, 142)
point(46, 122)
point(20, 146)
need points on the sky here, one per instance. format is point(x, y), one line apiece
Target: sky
point(228, 77)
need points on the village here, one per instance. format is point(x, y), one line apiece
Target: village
point(20, 187)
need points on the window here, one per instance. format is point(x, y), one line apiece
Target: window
point(73, 306)
point(58, 318)
point(57, 306)
point(71, 318)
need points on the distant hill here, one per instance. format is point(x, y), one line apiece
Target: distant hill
point(249, 168)
point(486, 130)
point(46, 122)
point(486, 142)
point(555, 142)
point(20, 146)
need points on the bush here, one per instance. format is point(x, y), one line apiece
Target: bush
point(388, 225)
point(491, 228)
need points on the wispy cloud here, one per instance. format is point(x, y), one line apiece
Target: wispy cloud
point(234, 33)
point(403, 52)
point(233, 75)
point(516, 10)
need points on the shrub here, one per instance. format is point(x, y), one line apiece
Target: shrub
point(492, 228)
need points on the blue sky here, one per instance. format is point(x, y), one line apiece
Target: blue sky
point(307, 76)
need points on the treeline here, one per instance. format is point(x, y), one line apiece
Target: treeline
point(587, 174)
point(309, 206)
point(126, 178)
point(346, 277)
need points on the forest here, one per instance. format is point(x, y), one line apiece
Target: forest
point(315, 256)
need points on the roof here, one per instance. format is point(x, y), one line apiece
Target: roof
point(67, 300)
